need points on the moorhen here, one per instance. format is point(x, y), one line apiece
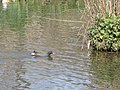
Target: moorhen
point(35, 53)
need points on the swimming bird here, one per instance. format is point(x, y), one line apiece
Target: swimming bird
point(35, 53)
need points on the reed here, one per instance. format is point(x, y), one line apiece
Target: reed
point(102, 6)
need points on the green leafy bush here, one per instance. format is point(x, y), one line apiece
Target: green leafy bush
point(105, 33)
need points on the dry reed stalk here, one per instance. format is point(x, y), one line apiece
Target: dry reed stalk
point(89, 9)
point(118, 7)
point(110, 8)
point(95, 6)
point(102, 6)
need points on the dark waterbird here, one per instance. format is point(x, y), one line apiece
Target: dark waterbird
point(35, 53)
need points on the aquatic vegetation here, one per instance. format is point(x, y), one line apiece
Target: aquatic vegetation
point(104, 25)
point(105, 33)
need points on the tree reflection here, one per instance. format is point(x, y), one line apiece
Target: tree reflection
point(107, 67)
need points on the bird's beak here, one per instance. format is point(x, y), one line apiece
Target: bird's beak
point(53, 52)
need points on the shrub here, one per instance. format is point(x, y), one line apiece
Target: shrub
point(105, 33)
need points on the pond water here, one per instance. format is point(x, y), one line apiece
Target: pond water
point(44, 26)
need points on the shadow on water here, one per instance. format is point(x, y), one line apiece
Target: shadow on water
point(106, 66)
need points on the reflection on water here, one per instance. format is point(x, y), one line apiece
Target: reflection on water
point(5, 3)
point(107, 68)
point(69, 69)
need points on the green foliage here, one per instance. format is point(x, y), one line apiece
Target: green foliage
point(105, 33)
